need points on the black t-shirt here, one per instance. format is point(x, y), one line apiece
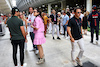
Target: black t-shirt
point(54, 18)
point(75, 25)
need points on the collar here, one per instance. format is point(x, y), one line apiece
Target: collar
point(76, 18)
point(31, 14)
point(54, 15)
point(15, 16)
point(65, 15)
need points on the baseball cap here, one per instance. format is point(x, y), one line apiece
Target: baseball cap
point(94, 7)
point(15, 9)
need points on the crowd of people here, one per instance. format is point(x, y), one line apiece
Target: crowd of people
point(71, 24)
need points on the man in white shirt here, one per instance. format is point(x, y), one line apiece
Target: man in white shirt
point(72, 14)
point(62, 30)
point(31, 18)
point(81, 16)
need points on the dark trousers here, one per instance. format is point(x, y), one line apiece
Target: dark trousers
point(32, 38)
point(92, 33)
point(59, 27)
point(45, 29)
point(65, 29)
point(0, 28)
point(15, 44)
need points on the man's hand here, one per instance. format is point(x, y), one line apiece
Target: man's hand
point(26, 40)
point(29, 22)
point(52, 22)
point(23, 31)
point(26, 33)
point(32, 26)
point(72, 40)
point(57, 23)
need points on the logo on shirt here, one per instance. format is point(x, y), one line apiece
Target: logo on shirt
point(95, 16)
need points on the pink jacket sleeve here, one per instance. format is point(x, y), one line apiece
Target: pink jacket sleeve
point(37, 20)
point(39, 24)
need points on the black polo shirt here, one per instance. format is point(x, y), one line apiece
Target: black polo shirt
point(54, 18)
point(14, 24)
point(75, 25)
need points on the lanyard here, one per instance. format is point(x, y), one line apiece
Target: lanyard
point(78, 25)
point(77, 21)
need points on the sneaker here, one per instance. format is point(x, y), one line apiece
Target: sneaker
point(33, 49)
point(24, 65)
point(74, 63)
point(67, 37)
point(97, 42)
point(16, 66)
point(91, 41)
point(41, 61)
point(63, 36)
point(45, 35)
point(37, 52)
point(58, 38)
point(53, 38)
point(79, 62)
point(85, 33)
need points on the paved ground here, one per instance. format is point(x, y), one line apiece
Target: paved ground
point(57, 53)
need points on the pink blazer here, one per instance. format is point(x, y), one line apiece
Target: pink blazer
point(38, 23)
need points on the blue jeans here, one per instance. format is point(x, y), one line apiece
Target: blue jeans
point(32, 38)
point(65, 29)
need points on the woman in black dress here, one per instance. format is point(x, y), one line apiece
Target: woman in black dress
point(85, 23)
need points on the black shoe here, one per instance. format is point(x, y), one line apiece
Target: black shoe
point(53, 38)
point(45, 36)
point(91, 41)
point(58, 38)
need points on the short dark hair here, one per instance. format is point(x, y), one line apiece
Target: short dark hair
point(15, 9)
point(64, 12)
point(76, 9)
point(68, 13)
point(31, 7)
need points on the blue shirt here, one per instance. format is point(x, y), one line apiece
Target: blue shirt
point(65, 19)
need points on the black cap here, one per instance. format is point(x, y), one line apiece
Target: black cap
point(15, 9)
point(94, 7)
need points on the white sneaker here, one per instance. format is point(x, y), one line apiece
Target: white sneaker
point(37, 52)
point(63, 36)
point(24, 65)
point(41, 61)
point(79, 62)
point(67, 37)
point(74, 63)
point(16, 66)
point(33, 49)
point(97, 42)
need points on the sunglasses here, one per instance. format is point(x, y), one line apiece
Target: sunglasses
point(79, 12)
point(34, 11)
